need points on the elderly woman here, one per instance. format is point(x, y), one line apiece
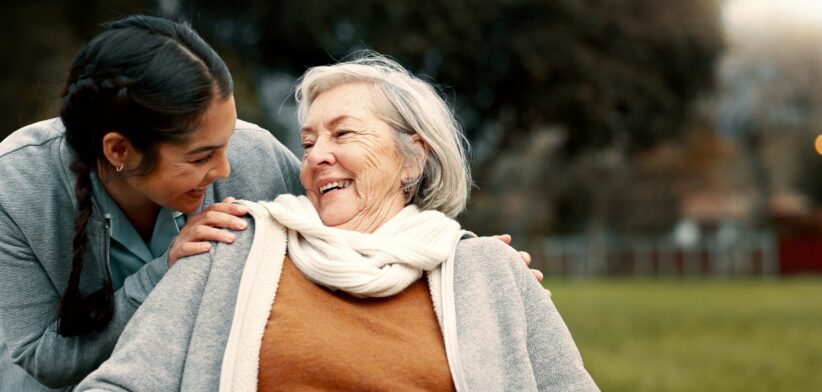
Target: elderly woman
point(365, 283)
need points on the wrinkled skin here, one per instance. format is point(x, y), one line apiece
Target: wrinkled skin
point(344, 141)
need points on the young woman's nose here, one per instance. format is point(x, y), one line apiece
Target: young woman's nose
point(221, 168)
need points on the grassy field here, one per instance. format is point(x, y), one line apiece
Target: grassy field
point(696, 335)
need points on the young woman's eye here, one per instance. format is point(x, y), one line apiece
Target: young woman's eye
point(204, 159)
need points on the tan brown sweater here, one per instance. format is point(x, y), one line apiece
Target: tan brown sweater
point(318, 339)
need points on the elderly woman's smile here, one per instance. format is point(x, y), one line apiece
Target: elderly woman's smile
point(351, 170)
point(331, 186)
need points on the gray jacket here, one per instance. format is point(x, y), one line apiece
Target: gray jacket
point(37, 208)
point(509, 334)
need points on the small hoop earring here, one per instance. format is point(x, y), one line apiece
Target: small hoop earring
point(119, 168)
point(408, 187)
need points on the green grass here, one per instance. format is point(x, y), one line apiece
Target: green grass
point(696, 335)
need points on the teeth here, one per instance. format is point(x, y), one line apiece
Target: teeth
point(335, 184)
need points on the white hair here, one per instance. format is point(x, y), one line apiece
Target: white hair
point(410, 106)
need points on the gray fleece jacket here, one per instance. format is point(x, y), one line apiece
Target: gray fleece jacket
point(37, 207)
point(188, 335)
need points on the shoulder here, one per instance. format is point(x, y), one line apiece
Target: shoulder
point(251, 136)
point(254, 147)
point(236, 251)
point(33, 135)
point(221, 266)
point(261, 166)
point(488, 260)
point(239, 249)
point(247, 130)
point(33, 162)
point(484, 251)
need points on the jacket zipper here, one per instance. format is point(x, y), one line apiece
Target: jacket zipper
point(107, 247)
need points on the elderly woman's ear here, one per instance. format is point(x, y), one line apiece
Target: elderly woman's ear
point(414, 165)
point(421, 148)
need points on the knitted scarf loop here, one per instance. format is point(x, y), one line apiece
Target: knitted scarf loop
point(378, 264)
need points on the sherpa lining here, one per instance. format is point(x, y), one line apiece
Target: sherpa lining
point(255, 297)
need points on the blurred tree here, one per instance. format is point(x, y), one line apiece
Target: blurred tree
point(809, 180)
point(607, 78)
point(40, 38)
point(623, 72)
point(610, 72)
point(770, 98)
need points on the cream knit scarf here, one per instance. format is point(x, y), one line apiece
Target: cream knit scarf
point(378, 264)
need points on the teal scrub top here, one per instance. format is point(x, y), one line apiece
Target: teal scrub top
point(128, 252)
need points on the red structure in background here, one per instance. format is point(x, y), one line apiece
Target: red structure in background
point(800, 239)
point(800, 253)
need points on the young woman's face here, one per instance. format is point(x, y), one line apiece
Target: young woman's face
point(184, 171)
point(351, 170)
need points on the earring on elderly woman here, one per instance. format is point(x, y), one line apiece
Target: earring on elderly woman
point(408, 186)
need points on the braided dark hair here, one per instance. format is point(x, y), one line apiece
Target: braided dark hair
point(151, 80)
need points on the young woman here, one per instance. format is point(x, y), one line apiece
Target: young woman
point(95, 206)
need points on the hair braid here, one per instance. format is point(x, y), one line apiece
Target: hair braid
point(75, 309)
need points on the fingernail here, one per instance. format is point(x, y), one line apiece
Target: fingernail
point(229, 237)
point(242, 225)
point(241, 209)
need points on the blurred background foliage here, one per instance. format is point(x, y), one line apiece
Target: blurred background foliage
point(562, 101)
point(596, 119)
point(605, 133)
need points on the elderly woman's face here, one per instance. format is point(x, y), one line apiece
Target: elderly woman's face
point(351, 170)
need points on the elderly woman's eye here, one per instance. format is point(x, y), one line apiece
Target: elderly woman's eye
point(343, 132)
